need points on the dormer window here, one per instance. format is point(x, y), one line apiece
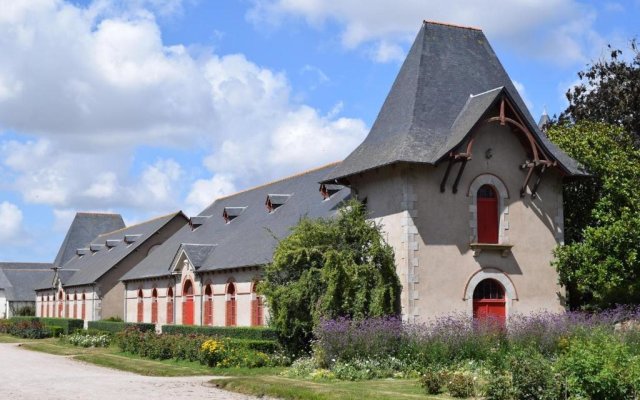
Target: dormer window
point(231, 213)
point(198, 220)
point(94, 247)
point(328, 190)
point(128, 239)
point(82, 252)
point(275, 200)
point(111, 243)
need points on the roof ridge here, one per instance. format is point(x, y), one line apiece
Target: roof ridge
point(139, 224)
point(97, 213)
point(280, 180)
point(451, 25)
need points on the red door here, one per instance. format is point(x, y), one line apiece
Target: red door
point(187, 303)
point(489, 303)
point(487, 209)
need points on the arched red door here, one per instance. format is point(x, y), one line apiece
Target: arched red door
point(487, 209)
point(170, 306)
point(60, 304)
point(489, 302)
point(187, 303)
point(140, 306)
point(154, 306)
point(231, 311)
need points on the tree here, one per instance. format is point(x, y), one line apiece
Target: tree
point(609, 92)
point(329, 268)
point(600, 263)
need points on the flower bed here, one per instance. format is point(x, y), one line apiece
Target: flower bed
point(86, 340)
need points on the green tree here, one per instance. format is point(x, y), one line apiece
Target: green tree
point(329, 268)
point(609, 91)
point(600, 262)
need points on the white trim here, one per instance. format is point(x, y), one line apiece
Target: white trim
point(503, 208)
point(490, 273)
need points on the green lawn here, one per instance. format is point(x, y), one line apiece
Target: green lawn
point(256, 381)
point(287, 388)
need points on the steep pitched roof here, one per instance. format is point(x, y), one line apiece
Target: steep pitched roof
point(251, 237)
point(25, 265)
point(84, 228)
point(92, 266)
point(445, 65)
point(23, 283)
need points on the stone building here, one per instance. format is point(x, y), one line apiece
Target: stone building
point(88, 285)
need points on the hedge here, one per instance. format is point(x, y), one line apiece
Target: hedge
point(256, 333)
point(68, 325)
point(115, 327)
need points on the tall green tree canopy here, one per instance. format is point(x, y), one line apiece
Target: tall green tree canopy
point(600, 263)
point(329, 268)
point(609, 91)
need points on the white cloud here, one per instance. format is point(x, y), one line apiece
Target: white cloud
point(90, 85)
point(523, 93)
point(543, 29)
point(10, 222)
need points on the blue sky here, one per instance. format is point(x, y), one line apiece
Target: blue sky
point(144, 107)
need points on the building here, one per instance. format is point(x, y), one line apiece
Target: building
point(17, 281)
point(206, 273)
point(88, 286)
point(467, 187)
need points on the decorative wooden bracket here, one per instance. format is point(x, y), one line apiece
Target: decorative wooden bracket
point(454, 158)
point(540, 166)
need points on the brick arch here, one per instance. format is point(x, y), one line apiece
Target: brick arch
point(231, 314)
point(496, 274)
point(257, 306)
point(208, 304)
point(140, 311)
point(188, 294)
point(169, 305)
point(154, 306)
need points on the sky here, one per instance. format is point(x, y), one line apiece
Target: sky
point(146, 107)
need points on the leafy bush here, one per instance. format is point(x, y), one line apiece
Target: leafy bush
point(303, 367)
point(85, 340)
point(68, 325)
point(600, 366)
point(29, 329)
point(25, 311)
point(118, 326)
point(56, 331)
point(532, 375)
point(433, 380)
point(256, 333)
point(461, 384)
point(499, 386)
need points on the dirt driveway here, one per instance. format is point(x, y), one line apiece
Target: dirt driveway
point(30, 375)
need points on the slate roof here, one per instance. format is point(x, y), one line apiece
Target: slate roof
point(84, 228)
point(22, 283)
point(251, 237)
point(25, 265)
point(429, 102)
point(92, 266)
point(47, 282)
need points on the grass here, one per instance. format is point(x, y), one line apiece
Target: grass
point(288, 388)
point(263, 381)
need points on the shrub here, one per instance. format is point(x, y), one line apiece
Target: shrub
point(68, 325)
point(599, 366)
point(533, 377)
point(56, 331)
point(212, 352)
point(499, 386)
point(256, 333)
point(303, 367)
point(29, 329)
point(118, 326)
point(461, 384)
point(25, 311)
point(433, 380)
point(85, 340)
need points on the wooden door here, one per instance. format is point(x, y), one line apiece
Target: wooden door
point(487, 209)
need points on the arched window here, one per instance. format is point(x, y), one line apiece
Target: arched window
point(82, 306)
point(170, 306)
point(154, 306)
point(75, 305)
point(140, 306)
point(42, 306)
point(489, 302)
point(257, 307)
point(231, 317)
point(187, 303)
point(208, 305)
point(488, 220)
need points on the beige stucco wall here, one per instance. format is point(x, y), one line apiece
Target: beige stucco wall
point(431, 231)
point(242, 278)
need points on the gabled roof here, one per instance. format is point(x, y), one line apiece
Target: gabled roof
point(84, 228)
point(20, 284)
point(250, 239)
point(47, 282)
point(25, 265)
point(196, 253)
point(444, 67)
point(92, 266)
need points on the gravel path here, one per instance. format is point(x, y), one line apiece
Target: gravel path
point(26, 375)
